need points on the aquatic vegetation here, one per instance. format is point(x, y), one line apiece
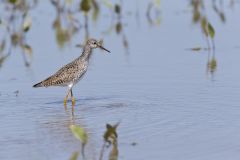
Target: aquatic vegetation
point(212, 65)
point(110, 139)
point(200, 17)
point(162, 92)
point(74, 156)
point(153, 6)
point(73, 16)
point(110, 135)
point(15, 24)
point(80, 134)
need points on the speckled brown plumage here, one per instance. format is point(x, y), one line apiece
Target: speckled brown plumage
point(71, 73)
point(67, 75)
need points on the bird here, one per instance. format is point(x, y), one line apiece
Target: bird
point(71, 73)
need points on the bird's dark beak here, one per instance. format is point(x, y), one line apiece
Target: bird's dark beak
point(103, 48)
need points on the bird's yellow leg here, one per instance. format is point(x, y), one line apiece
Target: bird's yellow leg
point(73, 102)
point(73, 99)
point(66, 98)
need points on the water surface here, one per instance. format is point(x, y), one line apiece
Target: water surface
point(169, 104)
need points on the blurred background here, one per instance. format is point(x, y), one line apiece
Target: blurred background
point(168, 90)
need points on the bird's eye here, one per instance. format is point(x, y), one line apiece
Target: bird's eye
point(94, 43)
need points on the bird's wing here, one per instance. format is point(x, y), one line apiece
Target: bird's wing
point(65, 75)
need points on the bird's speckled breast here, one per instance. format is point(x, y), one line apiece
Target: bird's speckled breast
point(80, 71)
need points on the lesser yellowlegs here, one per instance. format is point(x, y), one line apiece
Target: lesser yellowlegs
point(71, 73)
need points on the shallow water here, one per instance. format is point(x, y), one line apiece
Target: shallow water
point(167, 102)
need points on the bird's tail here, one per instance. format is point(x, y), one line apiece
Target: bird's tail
point(38, 85)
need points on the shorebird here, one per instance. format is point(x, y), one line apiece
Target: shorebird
point(72, 72)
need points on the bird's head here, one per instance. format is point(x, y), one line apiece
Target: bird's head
point(96, 44)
